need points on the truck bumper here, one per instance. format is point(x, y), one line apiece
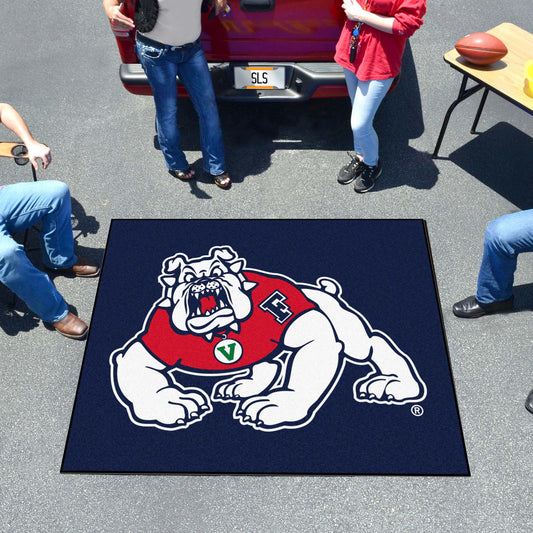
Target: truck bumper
point(303, 81)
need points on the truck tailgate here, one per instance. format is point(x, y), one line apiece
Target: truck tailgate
point(294, 30)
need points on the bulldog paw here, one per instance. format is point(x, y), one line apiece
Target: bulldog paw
point(378, 388)
point(278, 408)
point(174, 407)
point(256, 381)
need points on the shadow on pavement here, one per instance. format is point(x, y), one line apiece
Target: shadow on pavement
point(523, 297)
point(502, 159)
point(398, 120)
point(15, 319)
point(82, 223)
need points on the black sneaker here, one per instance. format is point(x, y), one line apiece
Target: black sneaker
point(367, 178)
point(350, 171)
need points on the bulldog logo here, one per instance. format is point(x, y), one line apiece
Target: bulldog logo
point(279, 346)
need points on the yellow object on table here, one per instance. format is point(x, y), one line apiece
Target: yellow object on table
point(528, 82)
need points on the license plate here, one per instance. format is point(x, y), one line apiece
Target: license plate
point(259, 77)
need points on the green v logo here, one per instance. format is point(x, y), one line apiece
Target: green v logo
point(223, 350)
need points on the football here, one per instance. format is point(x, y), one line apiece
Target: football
point(481, 48)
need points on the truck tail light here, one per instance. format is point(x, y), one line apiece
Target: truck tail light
point(119, 32)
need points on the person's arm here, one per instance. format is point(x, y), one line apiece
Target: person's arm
point(14, 122)
point(405, 21)
point(356, 13)
point(220, 6)
point(114, 13)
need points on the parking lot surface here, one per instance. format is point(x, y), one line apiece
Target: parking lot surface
point(60, 71)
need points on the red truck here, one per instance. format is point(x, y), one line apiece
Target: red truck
point(262, 50)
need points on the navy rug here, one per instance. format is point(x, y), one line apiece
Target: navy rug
point(266, 347)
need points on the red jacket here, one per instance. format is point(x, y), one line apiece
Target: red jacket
point(379, 54)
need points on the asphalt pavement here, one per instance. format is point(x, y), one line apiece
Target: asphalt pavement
point(59, 69)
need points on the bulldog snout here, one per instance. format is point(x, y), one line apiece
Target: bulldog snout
point(197, 288)
point(211, 285)
point(206, 297)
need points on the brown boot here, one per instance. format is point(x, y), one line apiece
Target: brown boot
point(71, 326)
point(85, 268)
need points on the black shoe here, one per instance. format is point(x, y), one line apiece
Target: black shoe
point(529, 402)
point(367, 179)
point(350, 171)
point(471, 308)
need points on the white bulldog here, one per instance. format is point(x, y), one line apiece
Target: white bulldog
point(284, 346)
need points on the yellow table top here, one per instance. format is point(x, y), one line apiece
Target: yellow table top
point(507, 75)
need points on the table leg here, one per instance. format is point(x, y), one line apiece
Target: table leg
point(479, 110)
point(464, 93)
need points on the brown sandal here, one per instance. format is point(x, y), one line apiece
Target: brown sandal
point(183, 175)
point(222, 180)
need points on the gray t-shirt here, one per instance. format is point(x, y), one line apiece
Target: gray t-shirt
point(178, 22)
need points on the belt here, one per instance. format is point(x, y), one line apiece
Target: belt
point(152, 42)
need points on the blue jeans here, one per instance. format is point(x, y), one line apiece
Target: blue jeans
point(505, 238)
point(161, 66)
point(21, 206)
point(366, 96)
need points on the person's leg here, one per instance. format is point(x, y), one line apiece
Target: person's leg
point(351, 170)
point(30, 284)
point(367, 98)
point(195, 76)
point(351, 84)
point(24, 204)
point(505, 238)
point(161, 72)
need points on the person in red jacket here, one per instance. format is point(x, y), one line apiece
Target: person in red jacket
point(370, 50)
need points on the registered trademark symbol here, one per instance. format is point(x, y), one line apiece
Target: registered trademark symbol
point(417, 410)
